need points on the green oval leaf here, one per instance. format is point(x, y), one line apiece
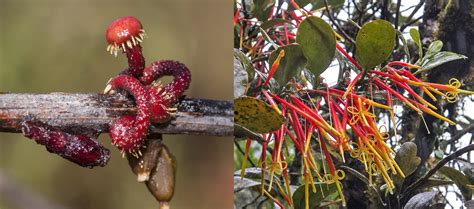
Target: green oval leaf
point(374, 43)
point(318, 42)
point(439, 59)
point(416, 38)
point(260, 8)
point(256, 115)
point(461, 180)
point(290, 65)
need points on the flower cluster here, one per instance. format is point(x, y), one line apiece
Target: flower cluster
point(327, 124)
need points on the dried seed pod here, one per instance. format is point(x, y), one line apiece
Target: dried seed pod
point(80, 149)
point(147, 160)
point(162, 179)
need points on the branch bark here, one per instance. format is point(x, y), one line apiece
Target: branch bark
point(93, 113)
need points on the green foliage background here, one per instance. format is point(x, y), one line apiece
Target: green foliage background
point(59, 46)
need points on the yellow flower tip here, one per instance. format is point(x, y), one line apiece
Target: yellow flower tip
point(413, 66)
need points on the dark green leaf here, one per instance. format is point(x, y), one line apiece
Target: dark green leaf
point(374, 43)
point(256, 115)
point(318, 42)
point(301, 3)
point(290, 65)
point(315, 199)
point(261, 9)
point(439, 59)
point(364, 179)
point(274, 22)
point(407, 160)
point(416, 38)
point(459, 179)
point(270, 23)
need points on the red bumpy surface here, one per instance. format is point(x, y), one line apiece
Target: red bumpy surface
point(128, 132)
point(80, 149)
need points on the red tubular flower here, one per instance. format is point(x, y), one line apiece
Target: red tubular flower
point(236, 16)
point(274, 67)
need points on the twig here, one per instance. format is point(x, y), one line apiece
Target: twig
point(347, 37)
point(243, 153)
point(86, 112)
point(411, 15)
point(438, 165)
point(397, 14)
point(461, 134)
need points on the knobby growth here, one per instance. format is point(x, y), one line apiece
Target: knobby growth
point(154, 164)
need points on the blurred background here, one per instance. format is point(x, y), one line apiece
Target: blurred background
point(59, 46)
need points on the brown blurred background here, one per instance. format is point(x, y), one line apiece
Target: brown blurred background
point(59, 46)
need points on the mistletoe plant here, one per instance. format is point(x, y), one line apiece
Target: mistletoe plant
point(151, 160)
point(301, 121)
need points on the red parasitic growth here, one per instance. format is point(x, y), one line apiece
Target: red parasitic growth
point(125, 34)
point(162, 98)
point(80, 149)
point(128, 132)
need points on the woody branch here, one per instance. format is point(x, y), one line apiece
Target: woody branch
point(81, 112)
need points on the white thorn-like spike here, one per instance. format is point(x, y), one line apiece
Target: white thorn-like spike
point(108, 47)
point(139, 152)
point(133, 41)
point(138, 39)
point(107, 88)
point(129, 44)
point(123, 154)
point(115, 53)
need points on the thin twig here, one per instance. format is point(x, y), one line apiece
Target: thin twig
point(418, 6)
point(438, 165)
point(347, 37)
point(243, 153)
point(461, 134)
point(397, 14)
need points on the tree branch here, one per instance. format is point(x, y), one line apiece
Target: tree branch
point(438, 165)
point(94, 112)
point(461, 134)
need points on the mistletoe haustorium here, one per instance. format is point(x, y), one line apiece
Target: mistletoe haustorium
point(150, 160)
